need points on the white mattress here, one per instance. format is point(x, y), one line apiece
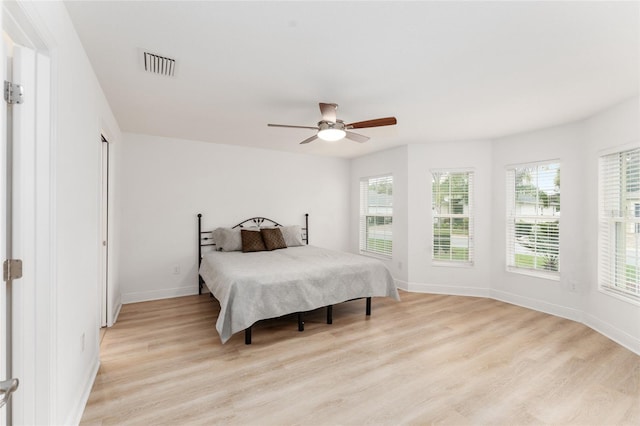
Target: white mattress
point(268, 284)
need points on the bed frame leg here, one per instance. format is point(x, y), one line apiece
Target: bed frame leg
point(247, 336)
point(368, 309)
point(330, 314)
point(300, 322)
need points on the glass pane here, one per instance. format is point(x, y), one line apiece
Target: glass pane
point(619, 256)
point(460, 226)
point(442, 239)
point(628, 257)
point(376, 209)
point(459, 189)
point(379, 197)
point(632, 159)
point(537, 244)
point(379, 234)
point(450, 197)
point(537, 190)
point(460, 239)
point(436, 191)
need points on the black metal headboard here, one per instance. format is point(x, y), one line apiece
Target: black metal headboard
point(256, 222)
point(205, 238)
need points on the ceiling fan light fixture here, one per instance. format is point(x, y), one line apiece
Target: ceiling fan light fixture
point(331, 134)
point(331, 129)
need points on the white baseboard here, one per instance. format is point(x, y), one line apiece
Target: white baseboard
point(76, 414)
point(145, 296)
point(117, 304)
point(449, 289)
point(538, 305)
point(611, 332)
point(115, 314)
point(401, 285)
point(621, 337)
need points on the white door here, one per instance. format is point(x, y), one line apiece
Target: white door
point(15, 62)
point(4, 374)
point(26, 228)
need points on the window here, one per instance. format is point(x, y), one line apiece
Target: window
point(533, 219)
point(376, 215)
point(619, 224)
point(452, 207)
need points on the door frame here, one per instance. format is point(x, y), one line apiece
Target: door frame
point(105, 218)
point(111, 297)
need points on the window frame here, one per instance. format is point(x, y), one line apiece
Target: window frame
point(607, 240)
point(512, 219)
point(469, 262)
point(364, 215)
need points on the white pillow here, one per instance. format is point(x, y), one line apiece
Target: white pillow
point(292, 235)
point(227, 239)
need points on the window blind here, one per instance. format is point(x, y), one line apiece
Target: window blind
point(619, 224)
point(533, 219)
point(376, 215)
point(452, 210)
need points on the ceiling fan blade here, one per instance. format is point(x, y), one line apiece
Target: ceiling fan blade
point(356, 137)
point(387, 121)
point(294, 127)
point(311, 139)
point(328, 112)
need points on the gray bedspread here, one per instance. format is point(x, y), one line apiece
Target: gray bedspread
point(268, 284)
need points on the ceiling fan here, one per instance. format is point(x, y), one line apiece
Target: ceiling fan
point(331, 129)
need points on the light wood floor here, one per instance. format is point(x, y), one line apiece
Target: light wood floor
point(430, 359)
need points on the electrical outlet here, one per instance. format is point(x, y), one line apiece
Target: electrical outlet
point(176, 269)
point(573, 285)
point(82, 342)
point(399, 265)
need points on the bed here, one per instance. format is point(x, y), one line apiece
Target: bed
point(254, 286)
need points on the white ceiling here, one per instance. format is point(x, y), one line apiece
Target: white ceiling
point(447, 70)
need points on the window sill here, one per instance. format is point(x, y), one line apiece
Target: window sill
point(553, 276)
point(452, 264)
point(619, 295)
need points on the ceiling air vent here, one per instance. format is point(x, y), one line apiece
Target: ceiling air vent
point(158, 64)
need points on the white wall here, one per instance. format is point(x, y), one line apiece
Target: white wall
point(615, 129)
point(566, 144)
point(575, 295)
point(410, 166)
point(165, 182)
point(424, 276)
point(577, 146)
point(394, 162)
point(79, 112)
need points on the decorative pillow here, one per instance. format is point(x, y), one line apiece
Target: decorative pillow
point(292, 235)
point(273, 238)
point(251, 241)
point(227, 239)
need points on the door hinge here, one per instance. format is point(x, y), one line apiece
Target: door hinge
point(12, 269)
point(12, 93)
